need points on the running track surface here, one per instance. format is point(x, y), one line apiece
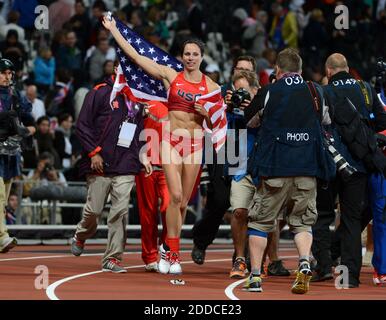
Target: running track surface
point(79, 278)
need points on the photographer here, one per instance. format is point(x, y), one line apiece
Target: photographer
point(242, 187)
point(290, 155)
point(218, 190)
point(46, 183)
point(356, 115)
point(13, 109)
point(44, 174)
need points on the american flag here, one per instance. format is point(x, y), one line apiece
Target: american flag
point(132, 79)
point(216, 108)
point(139, 86)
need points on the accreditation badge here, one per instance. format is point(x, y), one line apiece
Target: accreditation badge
point(126, 134)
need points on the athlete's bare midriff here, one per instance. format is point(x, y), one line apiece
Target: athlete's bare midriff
point(190, 123)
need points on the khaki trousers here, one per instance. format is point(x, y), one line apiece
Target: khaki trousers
point(119, 188)
point(297, 194)
point(5, 188)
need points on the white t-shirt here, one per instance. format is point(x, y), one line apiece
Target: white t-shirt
point(38, 109)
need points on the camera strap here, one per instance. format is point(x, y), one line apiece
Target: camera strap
point(15, 99)
point(365, 93)
point(314, 96)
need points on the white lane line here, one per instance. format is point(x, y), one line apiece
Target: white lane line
point(101, 254)
point(93, 254)
point(50, 291)
point(229, 289)
point(55, 257)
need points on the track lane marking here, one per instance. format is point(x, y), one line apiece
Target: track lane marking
point(69, 255)
point(229, 289)
point(50, 291)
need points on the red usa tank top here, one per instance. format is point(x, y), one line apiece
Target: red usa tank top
point(182, 93)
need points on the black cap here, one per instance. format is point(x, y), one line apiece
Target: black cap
point(6, 64)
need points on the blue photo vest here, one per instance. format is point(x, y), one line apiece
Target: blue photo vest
point(290, 141)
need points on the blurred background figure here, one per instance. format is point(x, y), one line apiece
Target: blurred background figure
point(38, 108)
point(44, 70)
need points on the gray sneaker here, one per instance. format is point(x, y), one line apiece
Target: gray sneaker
point(114, 266)
point(77, 246)
point(7, 244)
point(152, 267)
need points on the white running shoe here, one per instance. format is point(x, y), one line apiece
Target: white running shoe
point(379, 279)
point(164, 263)
point(175, 265)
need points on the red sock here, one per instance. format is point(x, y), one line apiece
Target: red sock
point(173, 244)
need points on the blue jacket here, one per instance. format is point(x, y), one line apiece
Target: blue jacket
point(10, 165)
point(26, 8)
point(237, 122)
point(243, 150)
point(44, 71)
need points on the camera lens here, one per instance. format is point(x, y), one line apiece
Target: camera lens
point(343, 167)
point(239, 96)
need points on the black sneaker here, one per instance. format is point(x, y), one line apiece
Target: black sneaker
point(320, 277)
point(353, 285)
point(198, 255)
point(276, 268)
point(314, 265)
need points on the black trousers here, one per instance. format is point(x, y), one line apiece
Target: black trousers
point(346, 242)
point(322, 237)
point(218, 201)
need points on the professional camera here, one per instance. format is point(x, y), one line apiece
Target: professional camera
point(381, 68)
point(381, 140)
point(10, 146)
point(238, 97)
point(12, 133)
point(272, 77)
point(47, 168)
point(344, 168)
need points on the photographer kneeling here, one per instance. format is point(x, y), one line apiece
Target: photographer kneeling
point(45, 182)
point(44, 174)
point(14, 109)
